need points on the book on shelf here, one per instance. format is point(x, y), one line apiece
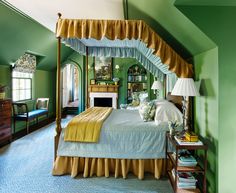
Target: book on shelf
point(186, 156)
point(183, 141)
point(186, 177)
point(187, 164)
point(185, 180)
point(186, 159)
point(186, 187)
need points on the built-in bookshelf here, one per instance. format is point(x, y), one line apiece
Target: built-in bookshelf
point(136, 80)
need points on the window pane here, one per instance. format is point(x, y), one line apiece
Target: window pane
point(15, 95)
point(22, 94)
point(27, 84)
point(15, 84)
point(27, 94)
point(22, 86)
point(22, 83)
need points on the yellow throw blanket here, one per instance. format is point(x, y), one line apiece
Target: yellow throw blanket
point(86, 126)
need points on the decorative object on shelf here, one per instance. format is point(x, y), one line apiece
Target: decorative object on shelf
point(103, 68)
point(156, 87)
point(116, 80)
point(191, 136)
point(185, 87)
point(92, 81)
point(172, 127)
point(3, 91)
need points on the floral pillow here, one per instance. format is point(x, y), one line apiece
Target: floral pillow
point(147, 111)
point(135, 99)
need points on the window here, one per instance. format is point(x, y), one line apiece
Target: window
point(21, 86)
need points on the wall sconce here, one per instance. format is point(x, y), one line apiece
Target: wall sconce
point(117, 67)
point(90, 67)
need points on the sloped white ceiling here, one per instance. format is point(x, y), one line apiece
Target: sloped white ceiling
point(45, 11)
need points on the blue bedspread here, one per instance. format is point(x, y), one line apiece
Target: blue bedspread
point(123, 135)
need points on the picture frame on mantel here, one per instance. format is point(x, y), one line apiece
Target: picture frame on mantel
point(103, 68)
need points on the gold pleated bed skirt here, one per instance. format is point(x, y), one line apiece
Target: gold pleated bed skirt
point(108, 167)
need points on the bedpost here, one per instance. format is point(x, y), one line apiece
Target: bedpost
point(58, 96)
point(86, 80)
point(164, 86)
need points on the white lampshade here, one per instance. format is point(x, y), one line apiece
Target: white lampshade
point(185, 87)
point(157, 85)
point(117, 67)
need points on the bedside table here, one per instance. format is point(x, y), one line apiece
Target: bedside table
point(173, 157)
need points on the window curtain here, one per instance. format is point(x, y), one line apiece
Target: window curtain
point(25, 64)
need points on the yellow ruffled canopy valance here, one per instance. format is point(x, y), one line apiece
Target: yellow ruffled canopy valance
point(84, 29)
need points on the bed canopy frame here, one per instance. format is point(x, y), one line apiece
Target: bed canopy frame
point(116, 38)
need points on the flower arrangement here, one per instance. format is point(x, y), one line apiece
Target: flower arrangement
point(172, 126)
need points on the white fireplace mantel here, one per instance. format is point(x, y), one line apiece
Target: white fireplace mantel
point(112, 95)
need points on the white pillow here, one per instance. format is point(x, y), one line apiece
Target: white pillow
point(167, 111)
point(143, 97)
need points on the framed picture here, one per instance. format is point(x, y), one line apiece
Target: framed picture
point(103, 68)
point(92, 81)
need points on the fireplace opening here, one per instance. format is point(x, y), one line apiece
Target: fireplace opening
point(103, 102)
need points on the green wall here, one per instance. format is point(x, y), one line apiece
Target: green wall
point(19, 34)
point(207, 109)
point(124, 64)
point(43, 86)
point(205, 33)
point(5, 79)
point(218, 23)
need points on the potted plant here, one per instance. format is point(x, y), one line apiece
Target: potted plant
point(172, 126)
point(2, 91)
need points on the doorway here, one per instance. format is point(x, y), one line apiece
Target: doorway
point(70, 89)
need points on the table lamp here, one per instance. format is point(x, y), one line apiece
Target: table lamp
point(185, 87)
point(157, 86)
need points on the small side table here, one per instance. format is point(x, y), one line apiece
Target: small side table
point(174, 160)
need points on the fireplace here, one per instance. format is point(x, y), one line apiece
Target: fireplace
point(102, 102)
point(103, 99)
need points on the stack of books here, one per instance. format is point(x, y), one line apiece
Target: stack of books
point(183, 141)
point(185, 180)
point(186, 159)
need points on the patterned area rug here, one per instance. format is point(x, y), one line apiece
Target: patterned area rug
point(26, 164)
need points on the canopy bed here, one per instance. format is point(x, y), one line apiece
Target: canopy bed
point(116, 152)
